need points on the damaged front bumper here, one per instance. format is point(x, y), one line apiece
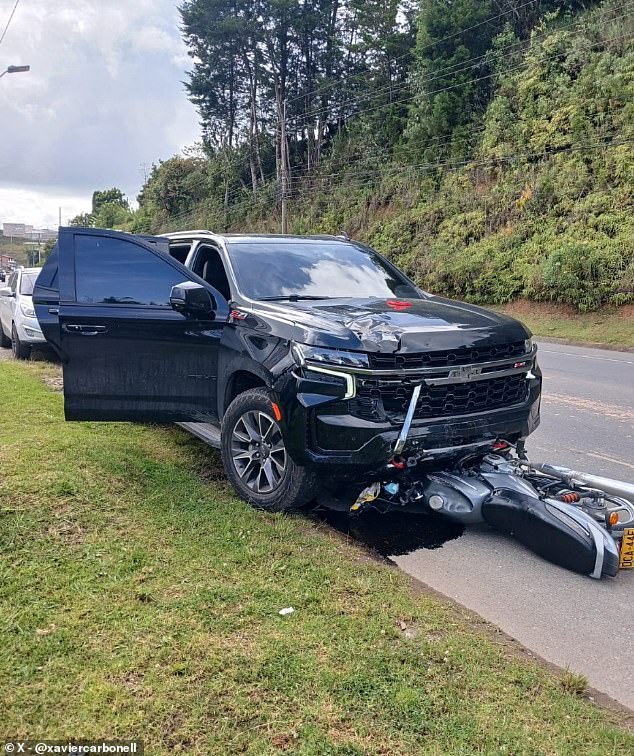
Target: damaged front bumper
point(327, 423)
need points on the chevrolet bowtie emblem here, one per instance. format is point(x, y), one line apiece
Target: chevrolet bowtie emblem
point(465, 373)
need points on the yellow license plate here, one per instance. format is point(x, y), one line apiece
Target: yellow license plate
point(626, 562)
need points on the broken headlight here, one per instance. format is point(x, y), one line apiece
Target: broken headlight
point(335, 357)
point(331, 362)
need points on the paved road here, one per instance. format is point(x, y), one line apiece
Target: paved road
point(573, 621)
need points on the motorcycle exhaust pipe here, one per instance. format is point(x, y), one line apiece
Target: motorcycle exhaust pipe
point(568, 476)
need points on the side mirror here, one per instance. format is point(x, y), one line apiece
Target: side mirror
point(192, 298)
point(6, 292)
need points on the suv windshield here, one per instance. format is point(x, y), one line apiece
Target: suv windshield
point(313, 270)
point(27, 283)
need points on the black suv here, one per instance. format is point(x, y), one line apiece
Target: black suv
point(305, 351)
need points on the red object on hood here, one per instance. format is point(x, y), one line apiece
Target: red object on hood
point(398, 304)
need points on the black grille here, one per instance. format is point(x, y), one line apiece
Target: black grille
point(448, 358)
point(377, 399)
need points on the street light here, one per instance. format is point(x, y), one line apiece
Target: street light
point(15, 69)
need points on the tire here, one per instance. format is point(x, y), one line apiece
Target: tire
point(5, 341)
point(20, 351)
point(263, 475)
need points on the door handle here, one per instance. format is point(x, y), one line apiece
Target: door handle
point(84, 330)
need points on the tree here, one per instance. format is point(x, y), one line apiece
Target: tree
point(108, 196)
point(86, 220)
point(112, 215)
point(449, 73)
point(177, 185)
point(110, 209)
point(316, 59)
point(48, 248)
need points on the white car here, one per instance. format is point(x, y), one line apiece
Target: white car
point(19, 328)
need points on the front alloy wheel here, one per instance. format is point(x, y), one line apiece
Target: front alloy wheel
point(258, 451)
point(20, 351)
point(255, 458)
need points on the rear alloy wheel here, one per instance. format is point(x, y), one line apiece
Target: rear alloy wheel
point(20, 351)
point(255, 457)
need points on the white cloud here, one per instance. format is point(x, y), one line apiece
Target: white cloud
point(104, 96)
point(40, 206)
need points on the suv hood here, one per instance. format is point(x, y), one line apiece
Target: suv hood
point(407, 325)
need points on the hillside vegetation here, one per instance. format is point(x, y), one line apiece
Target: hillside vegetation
point(485, 147)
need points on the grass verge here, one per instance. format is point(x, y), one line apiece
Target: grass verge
point(140, 598)
point(611, 328)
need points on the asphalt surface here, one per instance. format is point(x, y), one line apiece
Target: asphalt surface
point(570, 620)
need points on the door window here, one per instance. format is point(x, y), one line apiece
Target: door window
point(116, 271)
point(13, 282)
point(180, 251)
point(209, 266)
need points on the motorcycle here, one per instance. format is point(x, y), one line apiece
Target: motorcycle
point(579, 521)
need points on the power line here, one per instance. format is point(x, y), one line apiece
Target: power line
point(6, 28)
point(378, 152)
point(315, 183)
point(448, 166)
point(307, 120)
point(437, 75)
point(424, 47)
point(457, 140)
point(430, 167)
point(449, 68)
point(480, 78)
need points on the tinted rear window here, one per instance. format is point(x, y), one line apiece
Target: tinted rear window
point(48, 274)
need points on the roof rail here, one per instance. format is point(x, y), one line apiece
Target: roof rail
point(187, 232)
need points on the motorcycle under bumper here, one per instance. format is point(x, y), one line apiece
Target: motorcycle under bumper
point(328, 435)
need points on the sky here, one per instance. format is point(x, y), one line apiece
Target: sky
point(103, 101)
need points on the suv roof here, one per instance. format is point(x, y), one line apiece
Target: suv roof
point(254, 238)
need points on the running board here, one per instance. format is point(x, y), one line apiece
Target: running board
point(207, 432)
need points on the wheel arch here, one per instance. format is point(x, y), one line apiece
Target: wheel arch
point(238, 382)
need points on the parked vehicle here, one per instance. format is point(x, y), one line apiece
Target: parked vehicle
point(19, 328)
point(306, 351)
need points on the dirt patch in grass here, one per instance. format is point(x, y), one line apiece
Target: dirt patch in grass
point(54, 382)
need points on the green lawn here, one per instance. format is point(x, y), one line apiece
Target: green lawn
point(140, 598)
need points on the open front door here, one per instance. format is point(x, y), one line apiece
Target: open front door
point(103, 301)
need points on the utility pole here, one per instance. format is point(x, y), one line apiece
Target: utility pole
point(285, 165)
point(60, 216)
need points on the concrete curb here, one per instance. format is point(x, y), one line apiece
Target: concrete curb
point(589, 344)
